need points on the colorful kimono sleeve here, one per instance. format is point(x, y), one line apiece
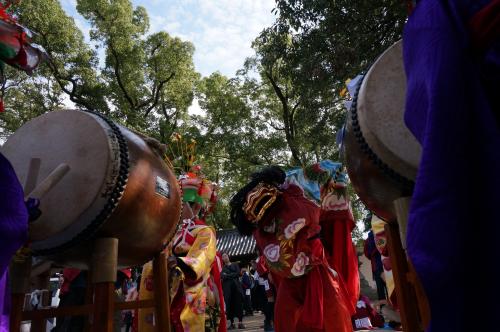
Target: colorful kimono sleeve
point(201, 255)
point(146, 319)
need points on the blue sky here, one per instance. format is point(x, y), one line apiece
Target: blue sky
point(221, 30)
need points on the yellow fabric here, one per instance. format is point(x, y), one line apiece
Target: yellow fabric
point(378, 230)
point(146, 315)
point(199, 257)
point(377, 225)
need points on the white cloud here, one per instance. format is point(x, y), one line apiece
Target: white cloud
point(221, 30)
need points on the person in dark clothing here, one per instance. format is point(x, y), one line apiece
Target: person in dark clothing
point(233, 292)
point(371, 252)
point(121, 291)
point(268, 290)
point(72, 294)
point(247, 283)
point(258, 292)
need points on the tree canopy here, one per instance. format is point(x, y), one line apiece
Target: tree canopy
point(283, 107)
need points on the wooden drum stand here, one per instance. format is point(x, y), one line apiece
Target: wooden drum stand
point(100, 304)
point(412, 301)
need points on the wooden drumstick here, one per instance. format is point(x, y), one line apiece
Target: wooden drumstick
point(32, 177)
point(49, 182)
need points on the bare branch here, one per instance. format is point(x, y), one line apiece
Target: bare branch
point(157, 95)
point(116, 69)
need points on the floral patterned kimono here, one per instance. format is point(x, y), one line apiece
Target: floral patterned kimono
point(194, 247)
point(310, 297)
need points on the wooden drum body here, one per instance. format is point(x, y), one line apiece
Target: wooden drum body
point(116, 187)
point(381, 154)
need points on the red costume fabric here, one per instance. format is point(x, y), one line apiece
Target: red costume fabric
point(337, 223)
point(262, 268)
point(69, 274)
point(309, 297)
point(264, 272)
point(336, 228)
point(215, 272)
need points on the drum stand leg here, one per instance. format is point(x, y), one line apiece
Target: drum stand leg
point(89, 299)
point(19, 273)
point(103, 268)
point(406, 299)
point(412, 301)
point(161, 296)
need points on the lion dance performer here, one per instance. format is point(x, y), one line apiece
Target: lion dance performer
point(285, 224)
point(326, 184)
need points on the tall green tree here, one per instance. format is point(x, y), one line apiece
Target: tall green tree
point(233, 140)
point(69, 72)
point(150, 77)
point(304, 110)
point(305, 57)
point(72, 63)
point(339, 39)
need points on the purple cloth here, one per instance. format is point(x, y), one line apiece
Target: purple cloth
point(454, 218)
point(4, 305)
point(13, 229)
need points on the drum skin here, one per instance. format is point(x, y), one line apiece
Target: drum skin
point(142, 212)
point(381, 154)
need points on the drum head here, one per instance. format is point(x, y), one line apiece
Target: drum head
point(84, 142)
point(380, 108)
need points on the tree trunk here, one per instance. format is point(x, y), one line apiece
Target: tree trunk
point(287, 120)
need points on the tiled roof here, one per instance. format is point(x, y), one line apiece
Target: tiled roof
point(235, 245)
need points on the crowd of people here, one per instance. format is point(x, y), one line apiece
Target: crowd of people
point(246, 292)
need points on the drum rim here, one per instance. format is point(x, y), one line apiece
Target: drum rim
point(112, 202)
point(365, 147)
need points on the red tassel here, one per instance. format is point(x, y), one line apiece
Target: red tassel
point(2, 108)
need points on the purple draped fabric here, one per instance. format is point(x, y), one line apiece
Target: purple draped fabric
point(13, 230)
point(454, 217)
point(4, 304)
